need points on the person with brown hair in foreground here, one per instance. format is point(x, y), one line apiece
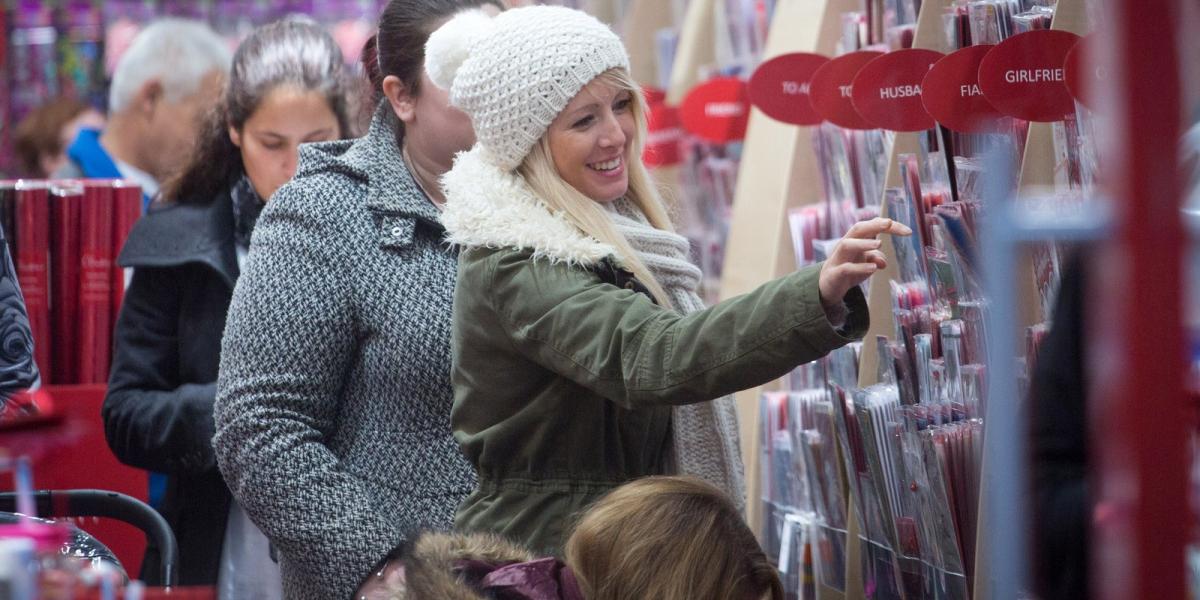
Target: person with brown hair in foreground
point(667, 538)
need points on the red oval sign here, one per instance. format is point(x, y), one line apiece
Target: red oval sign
point(780, 87)
point(887, 90)
point(717, 110)
point(1024, 77)
point(1084, 75)
point(952, 96)
point(831, 86)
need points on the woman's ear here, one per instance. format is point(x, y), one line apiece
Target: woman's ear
point(235, 136)
point(400, 97)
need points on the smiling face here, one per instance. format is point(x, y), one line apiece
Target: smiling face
point(591, 140)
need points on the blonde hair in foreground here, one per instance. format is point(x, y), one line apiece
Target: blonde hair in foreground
point(588, 215)
point(669, 538)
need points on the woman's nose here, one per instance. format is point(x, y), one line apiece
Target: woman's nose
point(289, 163)
point(613, 135)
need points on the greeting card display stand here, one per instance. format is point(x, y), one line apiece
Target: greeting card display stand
point(779, 172)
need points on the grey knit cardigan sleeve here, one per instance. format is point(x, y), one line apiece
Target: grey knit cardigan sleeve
point(333, 403)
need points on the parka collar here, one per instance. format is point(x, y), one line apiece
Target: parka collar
point(433, 563)
point(489, 207)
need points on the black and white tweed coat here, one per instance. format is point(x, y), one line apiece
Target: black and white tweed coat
point(333, 401)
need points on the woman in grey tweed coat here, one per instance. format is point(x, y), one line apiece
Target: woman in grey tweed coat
point(333, 399)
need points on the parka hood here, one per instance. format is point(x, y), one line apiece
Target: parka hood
point(431, 564)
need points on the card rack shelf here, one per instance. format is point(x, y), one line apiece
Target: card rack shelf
point(779, 172)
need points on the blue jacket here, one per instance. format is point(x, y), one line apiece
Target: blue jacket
point(89, 160)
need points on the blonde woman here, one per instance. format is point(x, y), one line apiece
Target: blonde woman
point(667, 538)
point(571, 346)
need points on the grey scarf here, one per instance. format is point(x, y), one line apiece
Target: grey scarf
point(705, 435)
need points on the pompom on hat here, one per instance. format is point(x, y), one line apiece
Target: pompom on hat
point(515, 72)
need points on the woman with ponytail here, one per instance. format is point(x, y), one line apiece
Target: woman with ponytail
point(286, 87)
point(333, 400)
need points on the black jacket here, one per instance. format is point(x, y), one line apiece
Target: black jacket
point(1058, 398)
point(158, 414)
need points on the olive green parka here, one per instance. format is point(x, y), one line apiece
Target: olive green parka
point(565, 369)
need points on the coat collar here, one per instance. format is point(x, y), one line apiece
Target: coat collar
point(177, 234)
point(376, 158)
point(489, 207)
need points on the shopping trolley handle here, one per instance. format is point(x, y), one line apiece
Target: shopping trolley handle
point(112, 505)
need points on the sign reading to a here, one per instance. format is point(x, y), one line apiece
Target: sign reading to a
point(780, 87)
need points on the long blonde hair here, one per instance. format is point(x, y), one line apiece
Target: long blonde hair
point(588, 215)
point(669, 538)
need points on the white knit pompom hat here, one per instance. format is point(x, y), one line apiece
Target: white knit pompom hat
point(513, 73)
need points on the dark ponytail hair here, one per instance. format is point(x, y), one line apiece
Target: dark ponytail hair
point(399, 47)
point(293, 51)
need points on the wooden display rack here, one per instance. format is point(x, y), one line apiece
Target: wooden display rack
point(929, 36)
point(1037, 174)
point(694, 50)
point(779, 172)
point(643, 20)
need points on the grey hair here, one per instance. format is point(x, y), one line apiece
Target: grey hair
point(177, 52)
point(293, 51)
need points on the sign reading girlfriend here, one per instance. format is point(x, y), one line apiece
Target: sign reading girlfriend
point(1024, 76)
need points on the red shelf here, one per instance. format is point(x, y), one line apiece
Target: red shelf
point(69, 452)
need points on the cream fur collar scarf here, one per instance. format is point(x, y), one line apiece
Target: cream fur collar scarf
point(492, 208)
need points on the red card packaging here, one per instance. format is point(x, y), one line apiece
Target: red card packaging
point(65, 204)
point(32, 216)
point(95, 280)
point(127, 208)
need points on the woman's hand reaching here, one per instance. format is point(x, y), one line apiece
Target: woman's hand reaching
point(855, 258)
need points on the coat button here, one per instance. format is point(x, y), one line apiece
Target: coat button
point(629, 285)
point(396, 231)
